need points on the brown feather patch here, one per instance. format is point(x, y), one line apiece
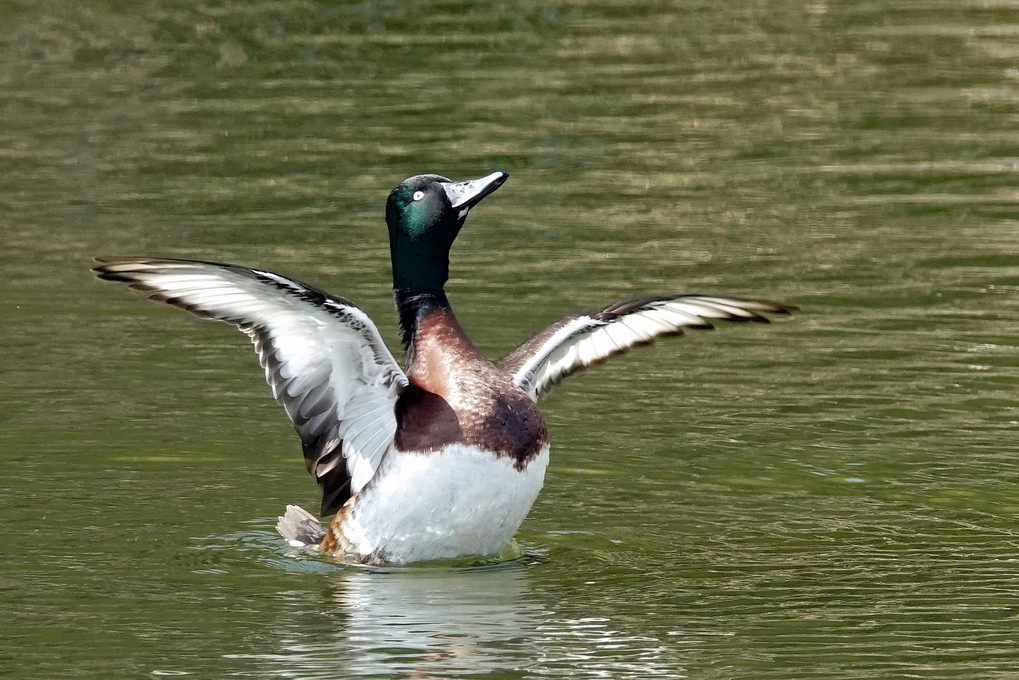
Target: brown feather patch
point(457, 396)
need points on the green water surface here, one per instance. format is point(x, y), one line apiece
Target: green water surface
point(835, 495)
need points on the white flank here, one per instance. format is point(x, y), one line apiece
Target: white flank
point(430, 506)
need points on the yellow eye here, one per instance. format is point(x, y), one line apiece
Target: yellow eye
point(418, 195)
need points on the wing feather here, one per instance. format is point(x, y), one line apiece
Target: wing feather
point(323, 358)
point(581, 340)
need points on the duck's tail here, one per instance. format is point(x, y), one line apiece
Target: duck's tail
point(300, 528)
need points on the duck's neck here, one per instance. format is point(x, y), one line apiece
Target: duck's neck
point(432, 336)
point(414, 308)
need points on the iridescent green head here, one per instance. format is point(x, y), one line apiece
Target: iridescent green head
point(424, 215)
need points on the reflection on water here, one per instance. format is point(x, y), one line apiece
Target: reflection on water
point(420, 624)
point(423, 623)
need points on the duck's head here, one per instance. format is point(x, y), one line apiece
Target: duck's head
point(424, 214)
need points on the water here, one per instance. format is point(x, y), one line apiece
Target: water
point(833, 495)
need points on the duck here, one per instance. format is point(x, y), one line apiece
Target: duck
point(442, 460)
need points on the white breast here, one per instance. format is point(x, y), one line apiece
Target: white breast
point(428, 506)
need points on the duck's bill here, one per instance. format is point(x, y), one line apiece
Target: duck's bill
point(467, 194)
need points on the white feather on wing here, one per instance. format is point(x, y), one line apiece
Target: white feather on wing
point(580, 340)
point(323, 358)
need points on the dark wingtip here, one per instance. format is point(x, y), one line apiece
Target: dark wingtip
point(778, 307)
point(101, 268)
point(104, 270)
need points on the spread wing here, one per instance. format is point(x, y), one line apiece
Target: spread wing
point(322, 355)
point(580, 340)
